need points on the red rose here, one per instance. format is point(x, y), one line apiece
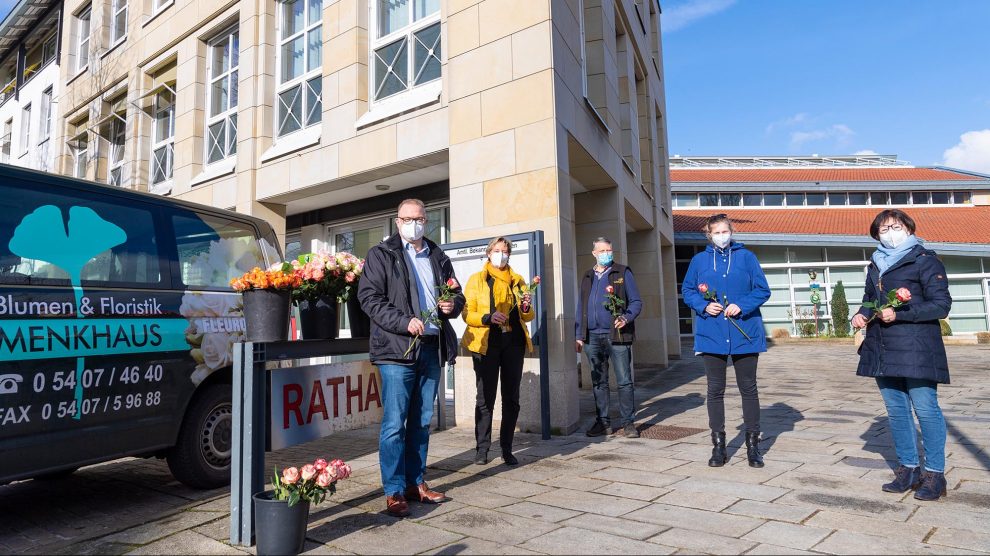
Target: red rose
point(903, 295)
point(320, 464)
point(451, 283)
point(609, 289)
point(703, 288)
point(536, 280)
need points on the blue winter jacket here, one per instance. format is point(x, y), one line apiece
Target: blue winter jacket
point(734, 273)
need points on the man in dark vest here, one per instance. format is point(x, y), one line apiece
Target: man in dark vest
point(608, 304)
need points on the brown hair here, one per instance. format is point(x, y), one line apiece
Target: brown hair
point(496, 241)
point(716, 219)
point(888, 214)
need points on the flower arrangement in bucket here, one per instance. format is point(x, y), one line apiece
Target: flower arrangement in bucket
point(282, 513)
point(266, 295)
point(326, 280)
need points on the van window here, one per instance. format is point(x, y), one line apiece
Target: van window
point(46, 235)
point(213, 250)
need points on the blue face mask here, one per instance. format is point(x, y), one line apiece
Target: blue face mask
point(604, 259)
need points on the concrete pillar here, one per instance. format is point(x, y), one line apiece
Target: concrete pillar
point(650, 347)
point(672, 325)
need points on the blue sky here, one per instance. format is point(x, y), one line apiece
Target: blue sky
point(778, 77)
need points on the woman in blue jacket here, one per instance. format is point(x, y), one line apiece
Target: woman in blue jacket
point(725, 287)
point(903, 348)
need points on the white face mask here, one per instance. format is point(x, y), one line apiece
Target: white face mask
point(721, 240)
point(893, 238)
point(412, 231)
point(498, 259)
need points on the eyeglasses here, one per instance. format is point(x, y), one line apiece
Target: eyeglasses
point(420, 220)
point(717, 217)
point(892, 228)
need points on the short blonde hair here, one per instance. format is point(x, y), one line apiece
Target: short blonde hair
point(411, 202)
point(496, 241)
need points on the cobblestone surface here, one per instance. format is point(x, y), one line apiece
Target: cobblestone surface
point(827, 451)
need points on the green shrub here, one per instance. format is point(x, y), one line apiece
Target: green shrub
point(808, 329)
point(946, 329)
point(840, 311)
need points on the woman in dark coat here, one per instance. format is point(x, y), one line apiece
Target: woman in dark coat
point(903, 349)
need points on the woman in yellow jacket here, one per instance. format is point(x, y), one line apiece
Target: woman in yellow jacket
point(496, 311)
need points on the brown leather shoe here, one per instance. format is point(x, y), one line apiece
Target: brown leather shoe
point(396, 506)
point(422, 493)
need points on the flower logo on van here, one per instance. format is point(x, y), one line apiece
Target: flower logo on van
point(216, 319)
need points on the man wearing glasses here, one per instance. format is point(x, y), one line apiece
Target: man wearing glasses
point(411, 338)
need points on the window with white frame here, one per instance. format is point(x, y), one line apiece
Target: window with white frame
point(299, 96)
point(82, 38)
point(26, 128)
point(221, 120)
point(113, 128)
point(46, 115)
point(8, 129)
point(48, 50)
point(118, 20)
point(80, 149)
point(406, 45)
point(159, 5)
point(163, 136)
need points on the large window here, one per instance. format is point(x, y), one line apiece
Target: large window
point(118, 21)
point(221, 121)
point(212, 250)
point(163, 137)
point(406, 45)
point(26, 128)
point(82, 42)
point(299, 98)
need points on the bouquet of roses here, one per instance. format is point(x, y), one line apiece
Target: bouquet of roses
point(313, 482)
point(895, 298)
point(279, 276)
point(326, 274)
point(445, 292)
point(711, 295)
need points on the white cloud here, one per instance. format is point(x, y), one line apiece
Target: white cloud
point(799, 118)
point(840, 133)
point(971, 153)
point(866, 152)
point(681, 15)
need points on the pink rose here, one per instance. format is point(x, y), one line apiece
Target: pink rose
point(609, 289)
point(324, 479)
point(536, 280)
point(903, 295)
point(703, 288)
point(320, 464)
point(349, 277)
point(308, 472)
point(290, 475)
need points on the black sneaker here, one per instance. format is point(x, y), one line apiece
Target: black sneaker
point(598, 429)
point(631, 431)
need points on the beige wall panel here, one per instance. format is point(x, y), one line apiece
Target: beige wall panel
point(343, 50)
point(536, 147)
point(462, 32)
point(521, 197)
point(338, 123)
point(505, 17)
point(480, 69)
point(465, 119)
point(454, 6)
point(470, 212)
point(273, 178)
point(314, 168)
point(367, 151)
point(483, 159)
point(517, 103)
point(421, 135)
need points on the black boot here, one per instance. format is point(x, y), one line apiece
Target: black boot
point(481, 457)
point(719, 456)
point(753, 449)
point(905, 479)
point(932, 486)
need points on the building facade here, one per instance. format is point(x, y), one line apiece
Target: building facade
point(804, 215)
point(30, 42)
point(505, 116)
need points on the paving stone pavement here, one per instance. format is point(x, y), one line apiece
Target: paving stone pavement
point(827, 450)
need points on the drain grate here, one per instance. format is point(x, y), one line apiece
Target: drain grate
point(666, 432)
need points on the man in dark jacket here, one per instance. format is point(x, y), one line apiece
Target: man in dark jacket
point(410, 340)
point(605, 333)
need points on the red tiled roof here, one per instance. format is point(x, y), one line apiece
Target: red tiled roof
point(750, 175)
point(937, 224)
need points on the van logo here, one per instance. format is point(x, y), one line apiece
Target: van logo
point(9, 382)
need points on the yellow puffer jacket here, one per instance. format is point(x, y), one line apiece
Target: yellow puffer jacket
point(478, 304)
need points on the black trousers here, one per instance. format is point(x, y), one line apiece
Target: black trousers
point(501, 365)
point(745, 366)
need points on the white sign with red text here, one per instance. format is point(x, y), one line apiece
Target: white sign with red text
point(317, 400)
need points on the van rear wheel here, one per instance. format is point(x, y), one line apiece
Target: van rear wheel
point(201, 458)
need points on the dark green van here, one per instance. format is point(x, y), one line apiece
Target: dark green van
point(117, 325)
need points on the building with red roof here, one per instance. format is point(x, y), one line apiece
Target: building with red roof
point(812, 214)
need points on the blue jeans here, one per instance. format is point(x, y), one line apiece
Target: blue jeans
point(600, 350)
point(900, 395)
point(408, 394)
